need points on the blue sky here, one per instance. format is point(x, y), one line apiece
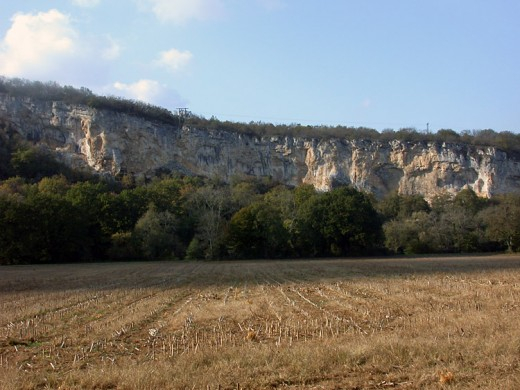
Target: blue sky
point(375, 63)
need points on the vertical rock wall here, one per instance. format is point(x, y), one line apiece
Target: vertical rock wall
point(112, 143)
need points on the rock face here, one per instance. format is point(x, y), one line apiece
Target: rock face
point(113, 143)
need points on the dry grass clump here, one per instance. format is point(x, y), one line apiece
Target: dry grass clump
point(447, 377)
point(368, 323)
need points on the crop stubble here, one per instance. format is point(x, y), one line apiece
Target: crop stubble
point(363, 323)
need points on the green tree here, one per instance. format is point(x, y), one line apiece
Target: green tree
point(409, 235)
point(120, 212)
point(447, 135)
point(305, 237)
point(283, 200)
point(6, 146)
point(12, 212)
point(155, 235)
point(456, 229)
point(257, 231)
point(86, 197)
point(395, 205)
point(244, 193)
point(16, 187)
point(502, 221)
point(340, 222)
point(54, 185)
point(348, 222)
point(166, 194)
point(440, 203)
point(42, 228)
point(35, 163)
point(469, 201)
point(194, 250)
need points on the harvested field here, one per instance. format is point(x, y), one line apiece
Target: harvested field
point(401, 323)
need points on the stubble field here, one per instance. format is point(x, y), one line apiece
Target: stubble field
point(319, 324)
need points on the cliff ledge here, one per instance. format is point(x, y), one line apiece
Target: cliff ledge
point(113, 143)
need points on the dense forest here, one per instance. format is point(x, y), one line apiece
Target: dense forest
point(51, 213)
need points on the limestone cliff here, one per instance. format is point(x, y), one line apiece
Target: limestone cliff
point(112, 143)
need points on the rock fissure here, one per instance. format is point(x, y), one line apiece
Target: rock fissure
point(114, 143)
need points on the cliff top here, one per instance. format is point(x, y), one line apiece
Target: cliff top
point(51, 91)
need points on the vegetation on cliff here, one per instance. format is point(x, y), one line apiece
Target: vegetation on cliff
point(51, 213)
point(48, 214)
point(51, 91)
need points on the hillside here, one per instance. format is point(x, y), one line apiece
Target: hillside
point(112, 136)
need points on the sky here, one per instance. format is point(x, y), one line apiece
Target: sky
point(430, 64)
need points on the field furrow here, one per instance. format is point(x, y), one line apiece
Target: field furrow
point(367, 323)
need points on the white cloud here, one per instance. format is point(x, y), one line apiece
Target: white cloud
point(46, 46)
point(174, 60)
point(182, 11)
point(86, 3)
point(36, 42)
point(145, 90)
point(149, 91)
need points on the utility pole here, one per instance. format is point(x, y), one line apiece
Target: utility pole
point(428, 127)
point(183, 113)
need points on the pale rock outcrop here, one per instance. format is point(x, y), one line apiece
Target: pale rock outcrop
point(113, 143)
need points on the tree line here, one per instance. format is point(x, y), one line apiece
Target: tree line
point(505, 140)
point(51, 91)
point(48, 214)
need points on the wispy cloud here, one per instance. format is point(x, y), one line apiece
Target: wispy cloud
point(174, 60)
point(146, 90)
point(182, 11)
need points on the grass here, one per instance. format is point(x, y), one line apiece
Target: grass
point(429, 323)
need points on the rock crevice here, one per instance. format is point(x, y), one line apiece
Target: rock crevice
point(114, 143)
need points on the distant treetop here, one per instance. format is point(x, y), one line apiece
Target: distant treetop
point(52, 91)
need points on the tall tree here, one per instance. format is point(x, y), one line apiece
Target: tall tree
point(211, 208)
point(502, 221)
point(155, 235)
point(340, 222)
point(348, 222)
point(42, 228)
point(257, 231)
